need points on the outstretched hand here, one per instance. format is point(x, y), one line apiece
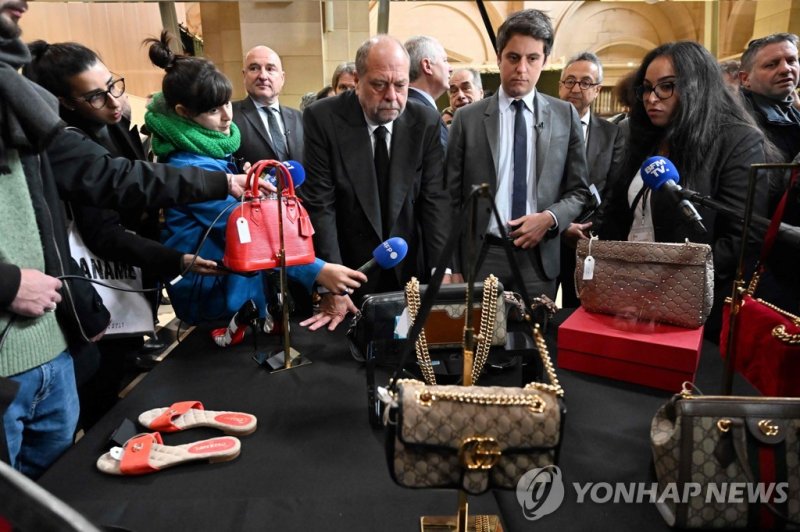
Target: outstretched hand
point(332, 311)
point(237, 185)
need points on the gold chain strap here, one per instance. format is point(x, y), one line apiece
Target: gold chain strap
point(544, 354)
point(488, 319)
point(488, 323)
point(423, 355)
point(535, 403)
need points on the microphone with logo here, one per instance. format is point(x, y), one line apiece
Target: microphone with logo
point(296, 170)
point(658, 173)
point(387, 255)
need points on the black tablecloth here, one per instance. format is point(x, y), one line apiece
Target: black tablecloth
point(315, 464)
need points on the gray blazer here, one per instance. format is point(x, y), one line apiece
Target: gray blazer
point(561, 174)
point(256, 143)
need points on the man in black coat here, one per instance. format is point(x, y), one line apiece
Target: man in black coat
point(581, 81)
point(429, 75)
point(374, 171)
point(269, 130)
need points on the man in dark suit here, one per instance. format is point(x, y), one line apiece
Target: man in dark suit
point(429, 74)
point(269, 130)
point(374, 171)
point(581, 82)
point(529, 148)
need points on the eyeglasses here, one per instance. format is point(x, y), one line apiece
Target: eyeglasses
point(99, 99)
point(583, 84)
point(663, 91)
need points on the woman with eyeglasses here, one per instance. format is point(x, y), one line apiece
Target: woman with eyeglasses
point(684, 112)
point(92, 99)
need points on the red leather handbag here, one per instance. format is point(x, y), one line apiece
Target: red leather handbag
point(767, 338)
point(260, 227)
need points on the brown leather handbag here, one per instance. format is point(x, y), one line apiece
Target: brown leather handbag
point(651, 281)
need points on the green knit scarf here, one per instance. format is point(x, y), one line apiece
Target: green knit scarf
point(172, 132)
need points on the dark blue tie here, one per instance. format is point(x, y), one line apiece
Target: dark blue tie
point(519, 195)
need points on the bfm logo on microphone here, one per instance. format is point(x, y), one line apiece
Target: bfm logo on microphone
point(656, 168)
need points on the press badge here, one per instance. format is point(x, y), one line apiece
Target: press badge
point(244, 230)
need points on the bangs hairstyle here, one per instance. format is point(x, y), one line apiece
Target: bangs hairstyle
point(193, 82)
point(704, 107)
point(52, 65)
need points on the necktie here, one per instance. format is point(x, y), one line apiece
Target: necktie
point(519, 194)
point(278, 141)
point(382, 173)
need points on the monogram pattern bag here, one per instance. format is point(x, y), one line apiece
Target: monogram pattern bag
point(716, 441)
point(664, 282)
point(473, 437)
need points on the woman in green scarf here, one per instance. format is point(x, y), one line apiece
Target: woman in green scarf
point(191, 123)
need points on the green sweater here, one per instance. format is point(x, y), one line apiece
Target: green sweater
point(30, 342)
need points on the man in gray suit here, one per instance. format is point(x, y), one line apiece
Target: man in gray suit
point(269, 130)
point(529, 148)
point(581, 81)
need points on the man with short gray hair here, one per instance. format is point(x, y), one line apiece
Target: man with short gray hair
point(769, 75)
point(465, 87)
point(374, 171)
point(429, 74)
point(580, 85)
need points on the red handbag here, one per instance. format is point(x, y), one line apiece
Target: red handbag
point(767, 339)
point(260, 227)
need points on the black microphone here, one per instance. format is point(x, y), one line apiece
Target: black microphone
point(387, 255)
point(787, 234)
point(658, 173)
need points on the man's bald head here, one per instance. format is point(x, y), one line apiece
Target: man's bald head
point(263, 74)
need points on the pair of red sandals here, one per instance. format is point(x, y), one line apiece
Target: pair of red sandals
point(146, 453)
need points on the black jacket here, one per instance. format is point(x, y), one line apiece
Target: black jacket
point(76, 169)
point(130, 235)
point(723, 178)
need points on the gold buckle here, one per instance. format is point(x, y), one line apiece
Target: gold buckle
point(724, 425)
point(768, 428)
point(479, 453)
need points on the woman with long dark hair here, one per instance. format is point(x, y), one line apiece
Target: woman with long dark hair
point(191, 123)
point(684, 112)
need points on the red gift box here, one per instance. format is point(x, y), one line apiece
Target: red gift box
point(652, 354)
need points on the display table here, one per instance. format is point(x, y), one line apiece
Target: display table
point(315, 464)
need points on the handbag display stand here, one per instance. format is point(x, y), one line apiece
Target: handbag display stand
point(739, 290)
point(284, 357)
point(476, 458)
point(265, 249)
